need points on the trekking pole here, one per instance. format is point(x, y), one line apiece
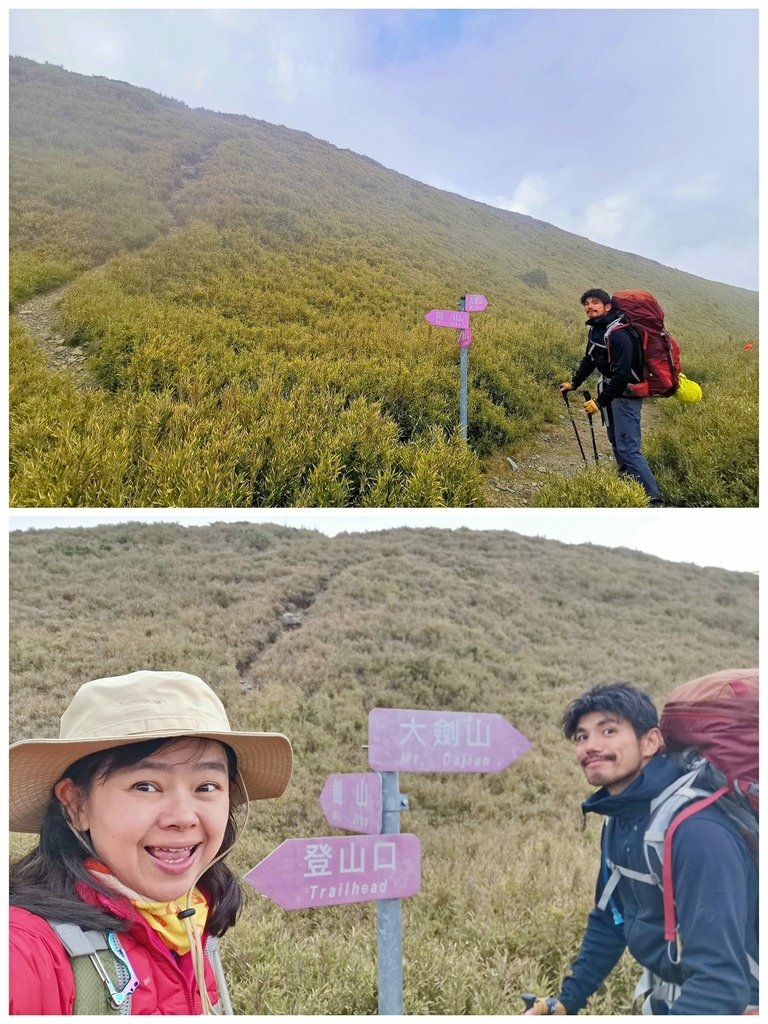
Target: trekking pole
point(591, 425)
point(575, 428)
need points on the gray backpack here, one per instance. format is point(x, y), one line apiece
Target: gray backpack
point(104, 978)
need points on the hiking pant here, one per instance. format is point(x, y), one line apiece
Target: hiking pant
point(623, 425)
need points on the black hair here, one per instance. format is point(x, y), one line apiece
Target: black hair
point(596, 293)
point(44, 881)
point(622, 699)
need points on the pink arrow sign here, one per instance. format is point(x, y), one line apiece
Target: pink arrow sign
point(475, 303)
point(329, 870)
point(465, 338)
point(448, 318)
point(353, 801)
point(441, 741)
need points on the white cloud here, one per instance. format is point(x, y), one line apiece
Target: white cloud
point(607, 220)
point(697, 189)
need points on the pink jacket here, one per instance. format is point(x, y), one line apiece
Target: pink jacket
point(40, 974)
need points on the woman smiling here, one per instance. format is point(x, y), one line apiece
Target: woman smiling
point(119, 907)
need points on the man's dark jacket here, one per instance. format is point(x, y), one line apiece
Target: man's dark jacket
point(715, 887)
point(624, 365)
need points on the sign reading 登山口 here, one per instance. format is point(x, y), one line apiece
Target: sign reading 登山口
point(329, 870)
point(441, 741)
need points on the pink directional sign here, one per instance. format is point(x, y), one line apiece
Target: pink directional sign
point(448, 318)
point(323, 872)
point(353, 801)
point(465, 338)
point(475, 303)
point(441, 741)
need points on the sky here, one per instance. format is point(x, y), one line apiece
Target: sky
point(635, 128)
point(723, 538)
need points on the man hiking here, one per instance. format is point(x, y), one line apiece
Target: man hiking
point(712, 967)
point(619, 365)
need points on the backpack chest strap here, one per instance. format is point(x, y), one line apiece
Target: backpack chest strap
point(618, 872)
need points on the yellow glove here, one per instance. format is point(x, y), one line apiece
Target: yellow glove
point(591, 407)
point(546, 1006)
point(567, 386)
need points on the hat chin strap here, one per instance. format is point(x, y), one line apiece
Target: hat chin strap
point(186, 915)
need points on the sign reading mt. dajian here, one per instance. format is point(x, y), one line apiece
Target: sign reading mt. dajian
point(441, 741)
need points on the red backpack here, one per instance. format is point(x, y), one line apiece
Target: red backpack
point(660, 351)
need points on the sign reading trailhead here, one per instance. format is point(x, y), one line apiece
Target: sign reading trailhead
point(353, 801)
point(441, 741)
point(325, 871)
point(448, 318)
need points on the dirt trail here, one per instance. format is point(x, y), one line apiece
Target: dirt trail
point(38, 317)
point(554, 452)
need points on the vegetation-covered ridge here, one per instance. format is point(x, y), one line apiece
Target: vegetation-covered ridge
point(305, 634)
point(252, 302)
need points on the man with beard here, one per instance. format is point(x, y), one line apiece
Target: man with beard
point(619, 362)
point(711, 967)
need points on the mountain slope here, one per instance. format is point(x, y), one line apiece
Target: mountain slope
point(434, 619)
point(240, 251)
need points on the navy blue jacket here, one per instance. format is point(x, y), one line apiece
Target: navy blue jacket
point(625, 363)
point(716, 891)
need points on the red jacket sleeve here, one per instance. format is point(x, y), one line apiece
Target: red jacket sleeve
point(40, 979)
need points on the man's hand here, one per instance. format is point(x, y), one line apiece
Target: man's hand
point(591, 407)
point(540, 1006)
point(567, 386)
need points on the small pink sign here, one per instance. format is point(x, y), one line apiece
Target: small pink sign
point(326, 871)
point(465, 338)
point(353, 801)
point(441, 741)
point(475, 303)
point(448, 318)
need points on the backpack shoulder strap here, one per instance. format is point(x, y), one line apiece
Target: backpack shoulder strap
point(103, 984)
point(663, 809)
point(212, 952)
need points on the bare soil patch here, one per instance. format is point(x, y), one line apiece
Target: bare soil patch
point(38, 317)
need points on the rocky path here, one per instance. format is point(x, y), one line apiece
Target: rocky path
point(38, 317)
point(553, 452)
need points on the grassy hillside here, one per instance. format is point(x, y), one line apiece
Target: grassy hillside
point(252, 300)
point(433, 619)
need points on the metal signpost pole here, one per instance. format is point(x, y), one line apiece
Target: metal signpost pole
point(463, 370)
point(389, 928)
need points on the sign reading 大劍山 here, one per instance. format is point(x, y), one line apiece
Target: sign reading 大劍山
point(441, 741)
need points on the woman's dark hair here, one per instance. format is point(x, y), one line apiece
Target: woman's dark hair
point(44, 880)
point(596, 293)
point(621, 699)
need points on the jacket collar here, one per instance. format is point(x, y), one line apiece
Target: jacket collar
point(634, 801)
point(605, 320)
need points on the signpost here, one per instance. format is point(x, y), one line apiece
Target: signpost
point(441, 741)
point(459, 319)
point(329, 870)
point(383, 865)
point(353, 802)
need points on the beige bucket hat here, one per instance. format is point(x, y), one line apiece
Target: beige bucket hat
point(126, 709)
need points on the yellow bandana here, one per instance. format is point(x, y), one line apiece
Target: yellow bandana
point(164, 919)
point(163, 916)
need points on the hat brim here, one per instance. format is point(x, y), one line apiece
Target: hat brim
point(265, 761)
